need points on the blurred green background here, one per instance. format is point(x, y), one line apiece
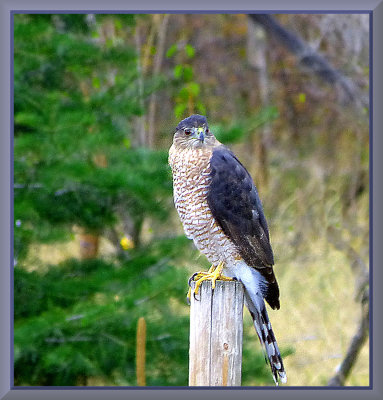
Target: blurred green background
point(97, 242)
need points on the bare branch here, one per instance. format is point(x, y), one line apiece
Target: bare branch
point(312, 60)
point(355, 347)
point(362, 295)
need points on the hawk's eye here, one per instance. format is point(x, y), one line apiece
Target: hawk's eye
point(207, 130)
point(188, 132)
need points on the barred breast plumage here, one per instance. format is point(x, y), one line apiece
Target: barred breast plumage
point(191, 181)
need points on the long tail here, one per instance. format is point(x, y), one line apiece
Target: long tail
point(267, 338)
point(257, 308)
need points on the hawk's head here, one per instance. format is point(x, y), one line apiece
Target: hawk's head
point(193, 132)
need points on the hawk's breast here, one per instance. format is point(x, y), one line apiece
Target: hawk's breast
point(191, 180)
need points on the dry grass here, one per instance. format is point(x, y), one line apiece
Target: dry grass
point(41, 255)
point(318, 317)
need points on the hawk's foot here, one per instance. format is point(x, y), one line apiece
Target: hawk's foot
point(214, 274)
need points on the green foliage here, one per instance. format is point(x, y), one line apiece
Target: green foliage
point(187, 99)
point(240, 130)
point(171, 51)
point(76, 96)
point(82, 321)
point(189, 50)
point(74, 103)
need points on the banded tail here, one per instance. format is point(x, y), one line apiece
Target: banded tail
point(267, 338)
point(254, 298)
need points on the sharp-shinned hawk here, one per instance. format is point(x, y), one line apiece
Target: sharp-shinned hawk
point(220, 210)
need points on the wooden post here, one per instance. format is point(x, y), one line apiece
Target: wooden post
point(216, 326)
point(141, 352)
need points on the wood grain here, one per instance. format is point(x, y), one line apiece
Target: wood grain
point(216, 327)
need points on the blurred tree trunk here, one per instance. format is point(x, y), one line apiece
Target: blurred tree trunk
point(89, 244)
point(89, 240)
point(140, 136)
point(129, 226)
point(257, 58)
point(162, 23)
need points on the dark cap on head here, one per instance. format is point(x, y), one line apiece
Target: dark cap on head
point(194, 121)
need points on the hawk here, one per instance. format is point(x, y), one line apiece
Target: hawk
point(220, 210)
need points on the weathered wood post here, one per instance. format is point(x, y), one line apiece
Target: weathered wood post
point(216, 326)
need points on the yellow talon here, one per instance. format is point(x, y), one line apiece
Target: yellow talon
point(214, 273)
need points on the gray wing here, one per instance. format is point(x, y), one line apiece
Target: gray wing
point(236, 206)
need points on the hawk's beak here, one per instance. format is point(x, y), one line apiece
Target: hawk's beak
point(201, 134)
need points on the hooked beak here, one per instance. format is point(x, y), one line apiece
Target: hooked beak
point(201, 134)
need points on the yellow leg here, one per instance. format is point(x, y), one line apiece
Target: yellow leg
point(214, 273)
point(211, 269)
